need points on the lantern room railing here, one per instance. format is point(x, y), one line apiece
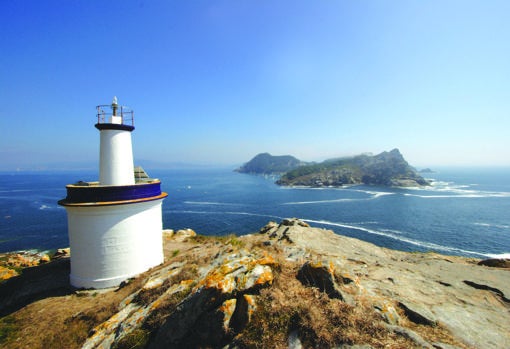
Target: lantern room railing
point(107, 111)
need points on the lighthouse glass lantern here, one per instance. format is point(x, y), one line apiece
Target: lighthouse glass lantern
point(114, 224)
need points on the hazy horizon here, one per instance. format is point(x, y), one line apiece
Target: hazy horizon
point(150, 165)
point(218, 82)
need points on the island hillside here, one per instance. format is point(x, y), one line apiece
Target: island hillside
point(386, 169)
point(288, 286)
point(266, 163)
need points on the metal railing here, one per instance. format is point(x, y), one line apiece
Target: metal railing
point(105, 112)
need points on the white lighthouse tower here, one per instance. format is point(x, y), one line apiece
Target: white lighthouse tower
point(115, 225)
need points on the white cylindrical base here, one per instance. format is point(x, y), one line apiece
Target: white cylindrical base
point(116, 158)
point(110, 244)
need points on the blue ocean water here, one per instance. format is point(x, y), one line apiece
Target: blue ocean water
point(465, 211)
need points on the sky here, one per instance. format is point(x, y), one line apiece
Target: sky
point(217, 82)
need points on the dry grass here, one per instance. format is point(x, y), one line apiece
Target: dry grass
point(319, 320)
point(66, 321)
point(286, 306)
point(8, 328)
point(61, 322)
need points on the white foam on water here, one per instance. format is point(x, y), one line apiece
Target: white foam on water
point(451, 190)
point(499, 256)
point(373, 195)
point(398, 232)
point(461, 194)
point(379, 194)
point(322, 201)
point(209, 203)
point(16, 190)
point(491, 225)
point(238, 213)
point(387, 234)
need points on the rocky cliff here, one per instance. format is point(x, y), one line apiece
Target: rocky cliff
point(387, 169)
point(288, 286)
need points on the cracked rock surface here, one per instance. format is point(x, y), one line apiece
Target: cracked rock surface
point(471, 300)
point(211, 291)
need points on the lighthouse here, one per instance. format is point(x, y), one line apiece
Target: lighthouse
point(114, 224)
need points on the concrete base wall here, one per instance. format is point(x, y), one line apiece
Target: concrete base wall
point(110, 244)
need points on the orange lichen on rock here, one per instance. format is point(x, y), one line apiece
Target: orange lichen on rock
point(266, 276)
point(266, 259)
point(252, 304)
point(6, 273)
point(227, 308)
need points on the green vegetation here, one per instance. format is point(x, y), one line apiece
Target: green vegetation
point(234, 241)
point(387, 168)
point(137, 339)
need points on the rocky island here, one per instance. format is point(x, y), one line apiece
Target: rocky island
point(288, 286)
point(266, 163)
point(387, 169)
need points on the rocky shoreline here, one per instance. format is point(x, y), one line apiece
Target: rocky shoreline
point(288, 286)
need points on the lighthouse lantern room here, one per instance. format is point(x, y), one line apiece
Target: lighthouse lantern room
point(115, 224)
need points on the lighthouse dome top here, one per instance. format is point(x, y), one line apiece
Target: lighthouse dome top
point(115, 116)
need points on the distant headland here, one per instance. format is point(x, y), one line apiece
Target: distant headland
point(265, 163)
point(386, 169)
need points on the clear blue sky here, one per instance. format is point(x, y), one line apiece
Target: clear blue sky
point(219, 81)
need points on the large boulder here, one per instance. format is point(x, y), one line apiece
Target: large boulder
point(218, 304)
point(238, 275)
point(496, 262)
point(320, 274)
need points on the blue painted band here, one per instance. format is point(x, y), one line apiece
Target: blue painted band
point(122, 127)
point(80, 194)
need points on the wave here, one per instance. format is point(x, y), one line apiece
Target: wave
point(490, 225)
point(462, 194)
point(373, 195)
point(437, 189)
point(389, 234)
point(225, 212)
point(16, 191)
point(209, 203)
point(322, 201)
point(500, 256)
point(452, 190)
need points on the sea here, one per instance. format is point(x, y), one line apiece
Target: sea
point(464, 212)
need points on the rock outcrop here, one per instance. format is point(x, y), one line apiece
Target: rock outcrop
point(12, 263)
point(471, 301)
point(288, 286)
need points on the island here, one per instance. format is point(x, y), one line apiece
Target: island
point(385, 169)
point(266, 163)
